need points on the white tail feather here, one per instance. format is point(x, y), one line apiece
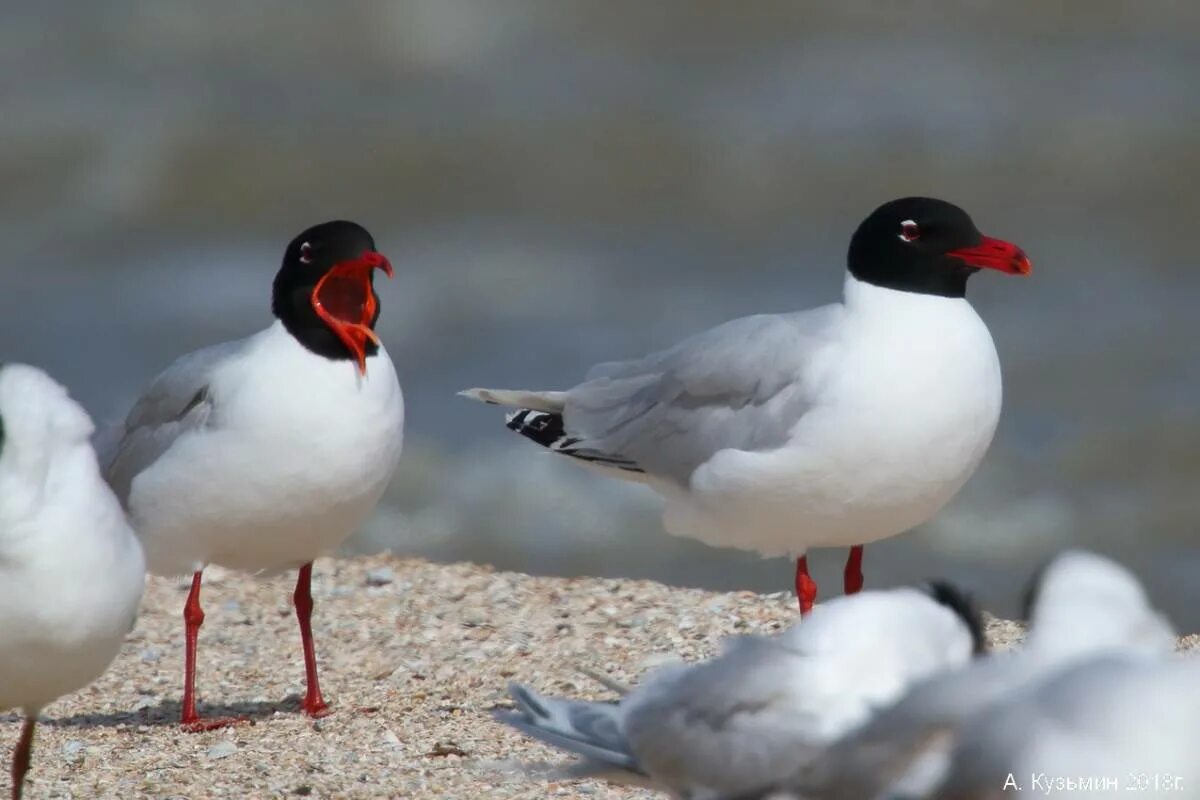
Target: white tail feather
point(552, 402)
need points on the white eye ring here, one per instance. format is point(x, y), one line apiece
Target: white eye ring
point(909, 232)
point(306, 253)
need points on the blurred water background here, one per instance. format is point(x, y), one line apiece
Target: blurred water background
point(563, 182)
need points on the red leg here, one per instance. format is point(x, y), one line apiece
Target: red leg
point(806, 587)
point(314, 705)
point(21, 756)
point(193, 618)
point(854, 576)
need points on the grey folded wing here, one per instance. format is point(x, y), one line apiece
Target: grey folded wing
point(177, 401)
point(740, 385)
point(728, 725)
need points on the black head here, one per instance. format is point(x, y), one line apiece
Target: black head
point(324, 292)
point(927, 246)
point(962, 604)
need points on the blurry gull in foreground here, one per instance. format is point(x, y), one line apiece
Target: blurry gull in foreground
point(766, 705)
point(1109, 725)
point(71, 570)
point(1086, 612)
point(833, 427)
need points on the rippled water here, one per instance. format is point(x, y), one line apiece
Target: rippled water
point(559, 183)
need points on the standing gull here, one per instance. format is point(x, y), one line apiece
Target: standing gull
point(263, 453)
point(71, 570)
point(833, 427)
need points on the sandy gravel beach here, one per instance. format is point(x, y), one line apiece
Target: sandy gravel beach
point(413, 654)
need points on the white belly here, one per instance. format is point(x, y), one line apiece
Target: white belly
point(289, 470)
point(906, 411)
point(217, 500)
point(71, 578)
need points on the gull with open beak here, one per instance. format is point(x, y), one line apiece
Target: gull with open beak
point(263, 453)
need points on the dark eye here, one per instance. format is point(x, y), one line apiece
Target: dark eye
point(909, 232)
point(306, 253)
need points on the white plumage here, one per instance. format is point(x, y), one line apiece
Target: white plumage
point(1123, 724)
point(767, 705)
point(1087, 611)
point(256, 454)
point(838, 426)
point(776, 433)
point(264, 453)
point(71, 570)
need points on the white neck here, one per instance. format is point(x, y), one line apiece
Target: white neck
point(861, 296)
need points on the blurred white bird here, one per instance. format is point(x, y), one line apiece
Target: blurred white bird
point(834, 427)
point(765, 705)
point(71, 569)
point(1081, 606)
point(262, 454)
point(1109, 725)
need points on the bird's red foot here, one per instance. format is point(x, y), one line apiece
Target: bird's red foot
point(200, 725)
point(315, 708)
point(806, 587)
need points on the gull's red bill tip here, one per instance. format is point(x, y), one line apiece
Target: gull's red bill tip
point(995, 254)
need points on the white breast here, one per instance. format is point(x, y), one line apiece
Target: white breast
point(296, 454)
point(907, 402)
point(71, 570)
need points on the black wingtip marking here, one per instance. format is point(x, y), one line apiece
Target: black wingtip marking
point(963, 604)
point(547, 429)
point(541, 426)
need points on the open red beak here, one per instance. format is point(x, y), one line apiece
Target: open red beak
point(344, 301)
point(995, 254)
